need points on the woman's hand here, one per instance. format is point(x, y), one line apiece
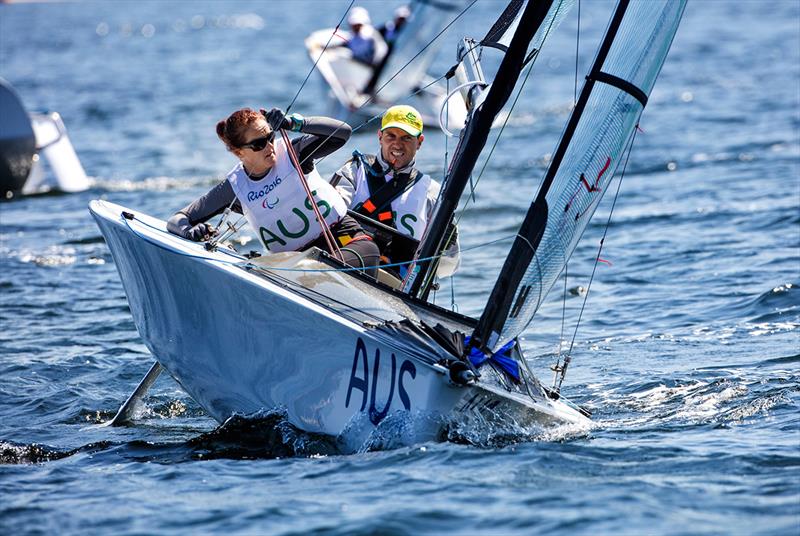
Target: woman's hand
point(200, 232)
point(179, 225)
point(277, 120)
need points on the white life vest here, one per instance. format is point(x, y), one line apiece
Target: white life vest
point(277, 206)
point(411, 209)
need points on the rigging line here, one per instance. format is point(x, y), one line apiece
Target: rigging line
point(446, 141)
point(577, 55)
point(241, 258)
point(372, 97)
point(557, 366)
point(568, 357)
point(336, 29)
point(228, 232)
point(376, 116)
point(531, 379)
point(330, 240)
point(370, 120)
point(453, 305)
point(225, 214)
point(474, 185)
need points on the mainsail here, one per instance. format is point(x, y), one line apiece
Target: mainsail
point(529, 25)
point(599, 129)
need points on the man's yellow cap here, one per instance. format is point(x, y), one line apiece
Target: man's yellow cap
point(403, 117)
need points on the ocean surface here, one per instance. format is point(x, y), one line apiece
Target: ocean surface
point(688, 351)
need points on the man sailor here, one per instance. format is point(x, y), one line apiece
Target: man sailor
point(387, 187)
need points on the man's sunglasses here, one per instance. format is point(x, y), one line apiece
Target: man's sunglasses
point(258, 144)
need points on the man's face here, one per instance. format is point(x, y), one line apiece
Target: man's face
point(398, 147)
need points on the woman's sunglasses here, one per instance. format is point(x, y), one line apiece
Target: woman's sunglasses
point(258, 144)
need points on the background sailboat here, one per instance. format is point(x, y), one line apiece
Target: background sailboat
point(357, 92)
point(27, 140)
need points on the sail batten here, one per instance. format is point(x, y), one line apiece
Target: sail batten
point(600, 126)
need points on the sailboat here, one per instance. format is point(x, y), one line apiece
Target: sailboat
point(341, 353)
point(357, 92)
point(27, 136)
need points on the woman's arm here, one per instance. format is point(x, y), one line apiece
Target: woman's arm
point(189, 222)
point(323, 136)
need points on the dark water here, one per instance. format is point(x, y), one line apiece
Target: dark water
point(688, 352)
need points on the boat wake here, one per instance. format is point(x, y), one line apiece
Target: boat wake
point(14, 454)
point(478, 432)
point(270, 435)
point(716, 396)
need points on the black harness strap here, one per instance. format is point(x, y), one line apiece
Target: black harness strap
point(382, 192)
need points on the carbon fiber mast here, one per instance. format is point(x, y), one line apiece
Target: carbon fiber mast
point(473, 138)
point(561, 214)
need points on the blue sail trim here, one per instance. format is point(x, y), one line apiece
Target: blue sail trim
point(502, 358)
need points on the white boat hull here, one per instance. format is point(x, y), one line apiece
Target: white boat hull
point(242, 343)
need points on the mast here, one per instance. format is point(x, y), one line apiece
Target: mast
point(527, 274)
point(472, 140)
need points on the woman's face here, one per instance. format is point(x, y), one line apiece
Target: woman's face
point(258, 152)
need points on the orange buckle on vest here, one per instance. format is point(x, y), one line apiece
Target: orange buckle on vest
point(383, 216)
point(344, 239)
point(368, 206)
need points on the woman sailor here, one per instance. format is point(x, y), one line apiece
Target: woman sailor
point(266, 187)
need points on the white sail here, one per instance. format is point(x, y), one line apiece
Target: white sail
point(585, 161)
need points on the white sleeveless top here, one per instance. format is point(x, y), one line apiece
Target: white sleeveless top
point(411, 209)
point(277, 208)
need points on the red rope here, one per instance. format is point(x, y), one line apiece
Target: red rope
point(326, 232)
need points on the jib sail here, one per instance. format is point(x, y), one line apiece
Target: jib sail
point(600, 127)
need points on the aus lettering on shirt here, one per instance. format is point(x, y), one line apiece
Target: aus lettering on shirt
point(360, 380)
point(299, 227)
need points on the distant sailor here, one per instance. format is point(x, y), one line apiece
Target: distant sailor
point(267, 189)
point(388, 188)
point(390, 31)
point(365, 42)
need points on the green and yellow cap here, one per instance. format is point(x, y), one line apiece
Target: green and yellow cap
point(403, 117)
